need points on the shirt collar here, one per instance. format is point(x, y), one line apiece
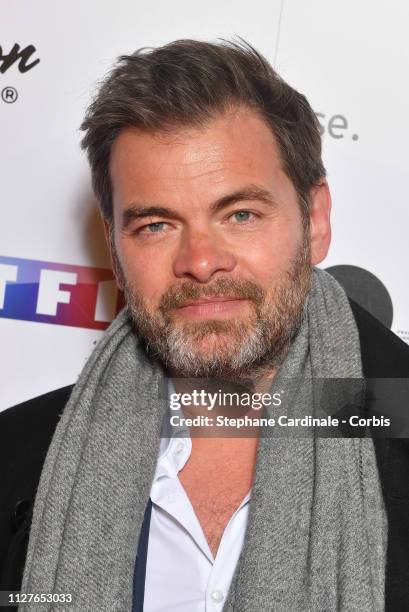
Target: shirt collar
point(174, 450)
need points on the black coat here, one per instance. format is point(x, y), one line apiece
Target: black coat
point(26, 431)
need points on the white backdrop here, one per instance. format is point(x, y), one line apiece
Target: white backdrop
point(351, 59)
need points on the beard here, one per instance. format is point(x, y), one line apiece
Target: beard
point(241, 347)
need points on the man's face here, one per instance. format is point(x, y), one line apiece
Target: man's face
point(209, 244)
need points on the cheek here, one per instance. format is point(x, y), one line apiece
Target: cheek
point(146, 272)
point(272, 253)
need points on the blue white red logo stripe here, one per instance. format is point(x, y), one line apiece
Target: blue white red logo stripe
point(61, 294)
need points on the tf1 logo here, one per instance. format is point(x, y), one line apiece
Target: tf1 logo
point(62, 294)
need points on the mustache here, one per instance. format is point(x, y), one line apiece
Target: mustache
point(222, 287)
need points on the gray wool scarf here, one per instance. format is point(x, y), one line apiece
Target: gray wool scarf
point(316, 532)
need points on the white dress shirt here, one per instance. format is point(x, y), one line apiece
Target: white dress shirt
point(181, 573)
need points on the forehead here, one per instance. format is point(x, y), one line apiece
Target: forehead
point(233, 148)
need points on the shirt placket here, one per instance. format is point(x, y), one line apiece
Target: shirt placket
point(219, 580)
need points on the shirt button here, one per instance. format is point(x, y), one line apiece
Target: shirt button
point(178, 448)
point(217, 596)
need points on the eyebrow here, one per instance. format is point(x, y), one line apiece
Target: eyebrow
point(250, 193)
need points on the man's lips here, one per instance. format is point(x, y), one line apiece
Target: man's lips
point(206, 300)
point(210, 306)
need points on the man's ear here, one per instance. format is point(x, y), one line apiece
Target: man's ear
point(320, 226)
point(116, 266)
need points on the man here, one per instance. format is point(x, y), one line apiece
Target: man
point(208, 171)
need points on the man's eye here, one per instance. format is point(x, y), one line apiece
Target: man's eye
point(153, 228)
point(242, 215)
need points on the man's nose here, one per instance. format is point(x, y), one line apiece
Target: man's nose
point(201, 256)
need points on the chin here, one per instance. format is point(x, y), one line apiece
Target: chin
point(210, 349)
